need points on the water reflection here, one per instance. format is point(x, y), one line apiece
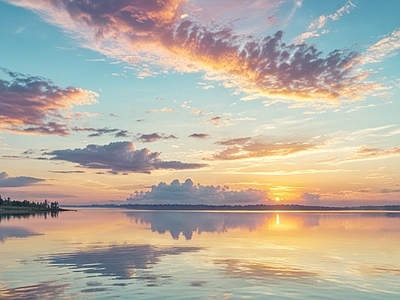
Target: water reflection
point(188, 223)
point(106, 254)
point(264, 271)
point(379, 270)
point(43, 290)
point(14, 232)
point(120, 261)
point(381, 214)
point(8, 217)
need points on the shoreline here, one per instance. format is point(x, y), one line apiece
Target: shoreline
point(27, 211)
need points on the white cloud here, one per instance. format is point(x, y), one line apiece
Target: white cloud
point(385, 48)
point(314, 29)
point(189, 193)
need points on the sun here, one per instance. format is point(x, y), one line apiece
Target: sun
point(277, 199)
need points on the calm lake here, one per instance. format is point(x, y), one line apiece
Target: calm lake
point(122, 254)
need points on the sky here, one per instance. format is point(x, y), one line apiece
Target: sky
point(200, 101)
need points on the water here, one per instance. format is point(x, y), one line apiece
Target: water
point(122, 254)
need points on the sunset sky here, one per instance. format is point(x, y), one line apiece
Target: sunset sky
point(200, 101)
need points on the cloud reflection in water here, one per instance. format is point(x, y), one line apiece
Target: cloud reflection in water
point(43, 290)
point(120, 261)
point(189, 222)
point(17, 232)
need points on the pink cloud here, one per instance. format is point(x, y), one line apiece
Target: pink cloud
point(153, 31)
point(366, 153)
point(34, 105)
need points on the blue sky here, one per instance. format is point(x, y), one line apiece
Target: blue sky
point(289, 101)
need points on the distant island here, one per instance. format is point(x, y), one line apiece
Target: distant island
point(254, 207)
point(9, 207)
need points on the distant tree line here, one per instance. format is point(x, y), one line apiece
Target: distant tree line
point(250, 207)
point(31, 204)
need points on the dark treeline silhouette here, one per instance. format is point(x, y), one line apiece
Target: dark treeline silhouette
point(37, 214)
point(255, 207)
point(29, 204)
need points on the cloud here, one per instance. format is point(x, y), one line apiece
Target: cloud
point(122, 133)
point(189, 193)
point(7, 181)
point(248, 147)
point(314, 29)
point(153, 137)
point(199, 135)
point(239, 171)
point(68, 172)
point(197, 112)
point(372, 153)
point(386, 47)
point(205, 86)
point(386, 191)
point(34, 105)
point(119, 157)
point(101, 131)
point(311, 199)
point(219, 121)
point(151, 35)
point(163, 110)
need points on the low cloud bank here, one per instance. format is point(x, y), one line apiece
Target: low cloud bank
point(189, 193)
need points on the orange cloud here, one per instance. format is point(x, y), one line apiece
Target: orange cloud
point(34, 105)
point(153, 31)
point(366, 153)
point(241, 148)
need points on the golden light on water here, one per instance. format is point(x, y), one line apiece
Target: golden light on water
point(277, 219)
